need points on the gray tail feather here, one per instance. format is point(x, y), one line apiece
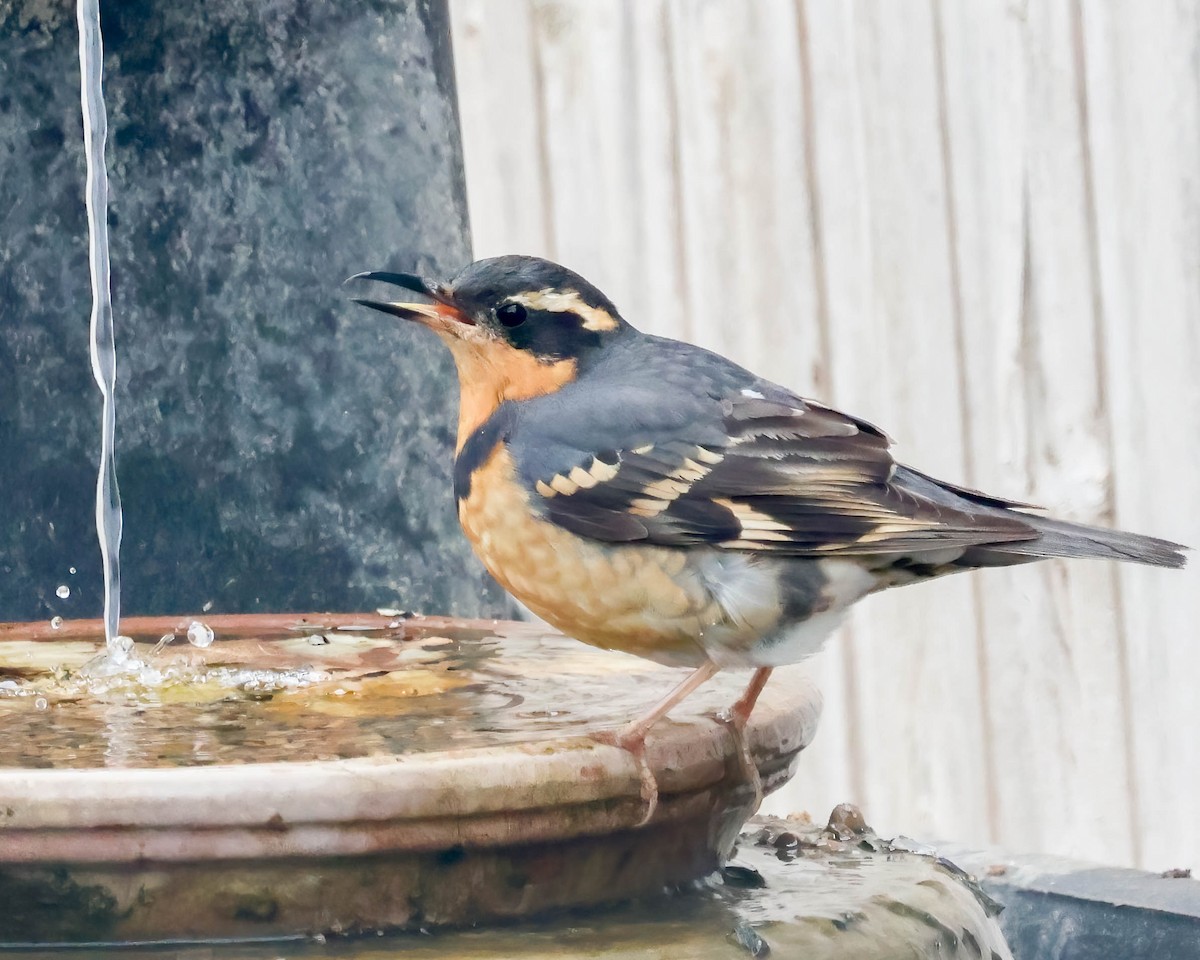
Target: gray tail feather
point(1058, 538)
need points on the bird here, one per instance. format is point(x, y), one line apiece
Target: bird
point(643, 494)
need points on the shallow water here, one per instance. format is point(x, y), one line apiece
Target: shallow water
point(312, 689)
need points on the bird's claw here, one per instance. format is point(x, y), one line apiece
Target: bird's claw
point(635, 746)
point(735, 723)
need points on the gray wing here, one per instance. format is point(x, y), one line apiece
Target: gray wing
point(740, 464)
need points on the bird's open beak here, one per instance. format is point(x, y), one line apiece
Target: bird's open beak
point(441, 315)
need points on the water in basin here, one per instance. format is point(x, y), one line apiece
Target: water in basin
point(309, 688)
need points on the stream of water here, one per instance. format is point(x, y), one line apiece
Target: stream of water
point(104, 359)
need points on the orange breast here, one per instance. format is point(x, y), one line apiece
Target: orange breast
point(638, 599)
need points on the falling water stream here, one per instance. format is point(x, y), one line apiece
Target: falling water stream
point(104, 359)
point(120, 658)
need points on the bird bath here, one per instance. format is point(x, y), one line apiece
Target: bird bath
point(305, 774)
point(346, 773)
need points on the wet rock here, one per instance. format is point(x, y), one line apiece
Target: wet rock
point(746, 937)
point(747, 878)
point(846, 822)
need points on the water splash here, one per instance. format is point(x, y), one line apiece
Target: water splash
point(200, 634)
point(104, 359)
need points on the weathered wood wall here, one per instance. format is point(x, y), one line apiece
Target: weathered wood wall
point(977, 225)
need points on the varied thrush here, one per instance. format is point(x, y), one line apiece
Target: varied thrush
point(645, 495)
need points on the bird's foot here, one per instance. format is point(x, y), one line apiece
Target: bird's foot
point(736, 719)
point(632, 737)
point(632, 740)
point(736, 724)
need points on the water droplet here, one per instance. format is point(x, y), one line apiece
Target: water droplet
point(207, 606)
point(318, 640)
point(56, 623)
point(63, 591)
point(72, 569)
point(200, 634)
point(40, 703)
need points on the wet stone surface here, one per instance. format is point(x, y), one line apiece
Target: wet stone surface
point(277, 447)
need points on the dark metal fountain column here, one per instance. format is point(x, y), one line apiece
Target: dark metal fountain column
point(276, 449)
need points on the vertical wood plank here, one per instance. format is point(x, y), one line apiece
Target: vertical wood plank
point(589, 138)
point(745, 206)
point(495, 67)
point(1055, 681)
point(611, 144)
point(887, 260)
point(1142, 64)
point(979, 61)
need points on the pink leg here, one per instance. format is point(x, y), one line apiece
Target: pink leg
point(740, 711)
point(636, 731)
point(632, 737)
point(737, 717)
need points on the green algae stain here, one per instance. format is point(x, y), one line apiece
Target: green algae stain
point(48, 906)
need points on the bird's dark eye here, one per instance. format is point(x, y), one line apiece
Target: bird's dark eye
point(511, 314)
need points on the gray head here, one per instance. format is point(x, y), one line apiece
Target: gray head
point(532, 305)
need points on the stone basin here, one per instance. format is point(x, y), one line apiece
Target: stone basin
point(352, 773)
point(793, 889)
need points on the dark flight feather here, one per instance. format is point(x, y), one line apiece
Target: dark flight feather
point(793, 480)
point(696, 450)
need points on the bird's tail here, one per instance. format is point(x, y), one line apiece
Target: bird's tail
point(1059, 538)
point(1056, 538)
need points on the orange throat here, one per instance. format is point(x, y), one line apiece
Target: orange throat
point(491, 371)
